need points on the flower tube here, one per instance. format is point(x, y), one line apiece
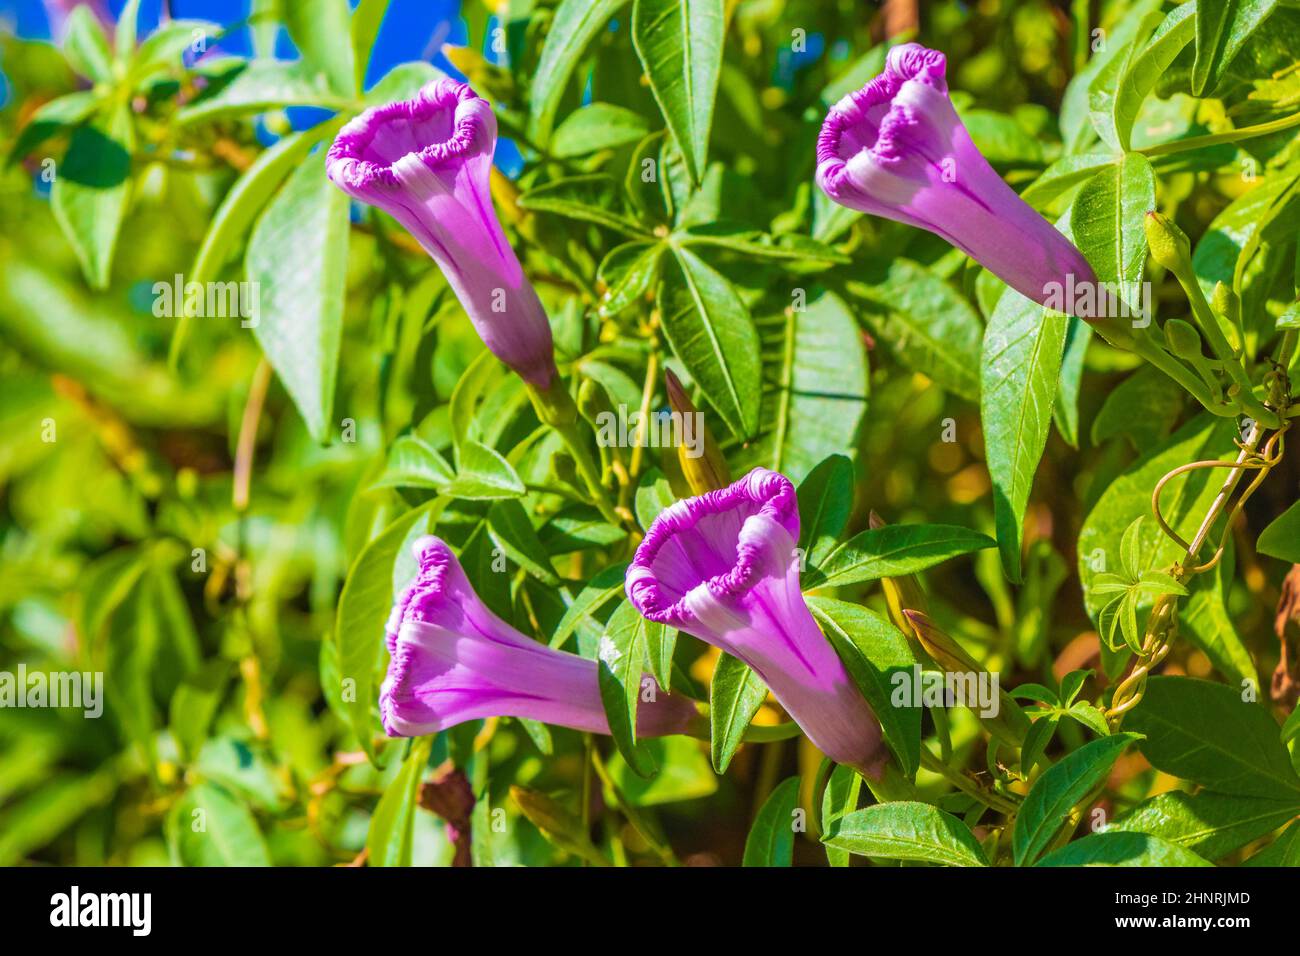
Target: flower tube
point(896, 148)
point(724, 567)
point(426, 162)
point(453, 660)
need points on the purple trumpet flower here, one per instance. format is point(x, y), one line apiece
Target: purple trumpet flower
point(897, 149)
point(426, 162)
point(453, 660)
point(724, 567)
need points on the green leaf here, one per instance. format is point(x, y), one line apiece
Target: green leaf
point(771, 838)
point(1209, 824)
point(599, 591)
point(907, 830)
point(260, 86)
point(1284, 851)
point(621, 654)
point(364, 605)
point(749, 242)
point(59, 115)
point(597, 126)
point(1144, 70)
point(735, 695)
point(91, 191)
point(321, 31)
point(818, 365)
point(1206, 733)
point(875, 653)
point(1023, 345)
point(588, 198)
point(653, 495)
point(1183, 501)
point(557, 824)
point(1257, 215)
point(413, 464)
point(367, 18)
point(509, 528)
point(712, 333)
point(840, 798)
point(680, 46)
point(297, 256)
point(194, 705)
point(1054, 794)
point(1122, 849)
point(86, 47)
point(927, 323)
point(37, 818)
point(1106, 221)
point(825, 503)
point(1281, 539)
point(484, 475)
point(246, 198)
point(1222, 28)
point(628, 273)
point(893, 551)
point(163, 49)
point(391, 836)
point(209, 827)
point(575, 24)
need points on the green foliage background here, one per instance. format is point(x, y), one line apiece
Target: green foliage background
point(215, 517)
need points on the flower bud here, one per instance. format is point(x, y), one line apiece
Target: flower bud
point(1169, 245)
point(703, 465)
point(1184, 341)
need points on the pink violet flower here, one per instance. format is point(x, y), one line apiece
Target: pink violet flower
point(426, 162)
point(453, 660)
point(724, 567)
point(896, 148)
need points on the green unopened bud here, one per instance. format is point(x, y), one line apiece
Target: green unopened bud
point(1184, 341)
point(1227, 306)
point(1169, 244)
point(702, 463)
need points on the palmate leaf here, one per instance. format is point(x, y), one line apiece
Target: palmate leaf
point(680, 46)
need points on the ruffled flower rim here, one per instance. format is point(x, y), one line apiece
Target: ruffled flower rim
point(908, 61)
point(346, 164)
point(775, 495)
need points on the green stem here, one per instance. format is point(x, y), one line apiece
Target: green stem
point(571, 435)
point(1231, 136)
point(993, 801)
